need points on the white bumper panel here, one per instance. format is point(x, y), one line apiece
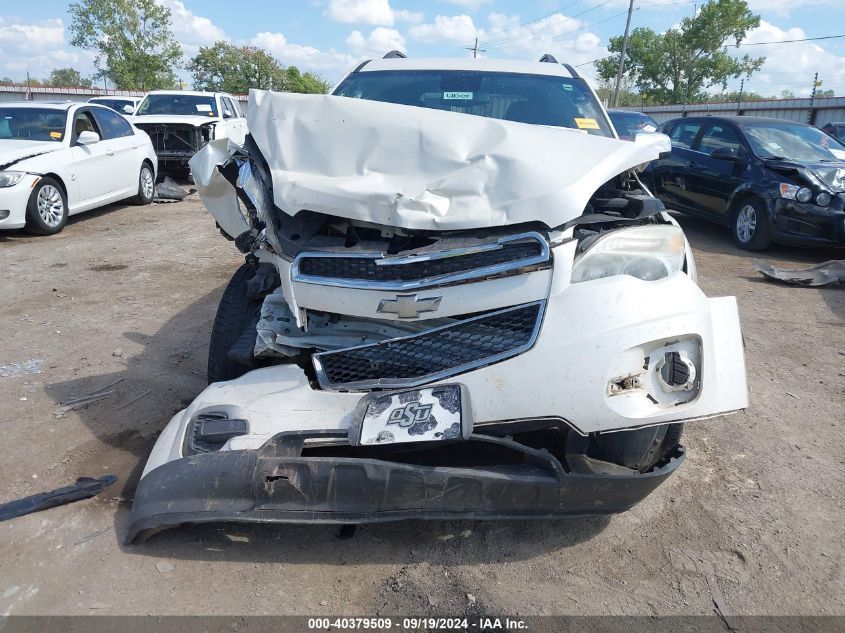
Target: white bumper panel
point(594, 334)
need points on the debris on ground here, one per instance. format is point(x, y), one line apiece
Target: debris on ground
point(164, 567)
point(829, 272)
point(168, 191)
point(27, 367)
point(83, 401)
point(84, 488)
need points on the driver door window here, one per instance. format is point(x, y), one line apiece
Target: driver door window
point(719, 136)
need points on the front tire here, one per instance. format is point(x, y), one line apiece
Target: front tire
point(234, 314)
point(750, 225)
point(146, 185)
point(46, 211)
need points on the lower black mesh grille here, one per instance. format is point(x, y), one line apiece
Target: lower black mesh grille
point(434, 354)
point(366, 269)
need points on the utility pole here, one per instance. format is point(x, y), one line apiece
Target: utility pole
point(475, 50)
point(811, 115)
point(622, 56)
point(739, 96)
point(28, 88)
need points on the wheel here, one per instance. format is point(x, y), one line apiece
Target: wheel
point(235, 312)
point(750, 226)
point(146, 185)
point(46, 211)
point(638, 450)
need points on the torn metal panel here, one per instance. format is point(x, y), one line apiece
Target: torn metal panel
point(418, 168)
point(826, 273)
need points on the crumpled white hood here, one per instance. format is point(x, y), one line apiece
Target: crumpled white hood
point(420, 168)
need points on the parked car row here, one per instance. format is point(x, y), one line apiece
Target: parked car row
point(59, 159)
point(767, 179)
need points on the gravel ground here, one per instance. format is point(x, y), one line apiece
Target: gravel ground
point(125, 297)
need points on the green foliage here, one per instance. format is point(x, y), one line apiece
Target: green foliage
point(67, 77)
point(135, 47)
point(825, 93)
point(236, 69)
point(678, 66)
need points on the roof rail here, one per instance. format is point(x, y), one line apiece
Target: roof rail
point(548, 58)
point(394, 54)
point(572, 71)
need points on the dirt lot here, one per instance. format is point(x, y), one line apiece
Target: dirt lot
point(753, 519)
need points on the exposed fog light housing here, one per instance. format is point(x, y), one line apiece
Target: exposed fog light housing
point(823, 199)
point(4, 213)
point(209, 431)
point(676, 371)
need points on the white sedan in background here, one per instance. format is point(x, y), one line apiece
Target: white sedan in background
point(59, 159)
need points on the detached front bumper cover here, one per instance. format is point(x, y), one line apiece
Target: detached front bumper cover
point(276, 484)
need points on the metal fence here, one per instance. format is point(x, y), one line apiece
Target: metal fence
point(45, 93)
point(815, 111)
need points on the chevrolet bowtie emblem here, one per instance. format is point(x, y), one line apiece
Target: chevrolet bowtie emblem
point(408, 306)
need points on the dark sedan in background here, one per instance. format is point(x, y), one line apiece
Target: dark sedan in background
point(767, 179)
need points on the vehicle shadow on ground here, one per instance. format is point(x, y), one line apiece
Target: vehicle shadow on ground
point(165, 377)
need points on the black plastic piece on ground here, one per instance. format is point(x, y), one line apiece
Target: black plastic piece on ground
point(276, 484)
point(84, 488)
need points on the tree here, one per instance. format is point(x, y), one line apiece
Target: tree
point(67, 77)
point(236, 69)
point(678, 66)
point(824, 93)
point(135, 47)
point(787, 94)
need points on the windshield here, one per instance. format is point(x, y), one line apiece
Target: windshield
point(791, 141)
point(192, 105)
point(32, 124)
point(629, 123)
point(114, 104)
point(537, 99)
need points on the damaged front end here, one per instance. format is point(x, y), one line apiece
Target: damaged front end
point(430, 323)
point(176, 143)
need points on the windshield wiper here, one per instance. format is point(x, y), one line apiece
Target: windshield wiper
point(774, 158)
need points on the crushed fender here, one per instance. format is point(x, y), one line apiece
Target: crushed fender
point(84, 488)
point(824, 274)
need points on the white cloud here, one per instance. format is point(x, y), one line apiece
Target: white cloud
point(380, 41)
point(190, 29)
point(470, 5)
point(38, 48)
point(790, 66)
point(783, 7)
point(456, 29)
point(328, 63)
point(376, 12)
point(564, 37)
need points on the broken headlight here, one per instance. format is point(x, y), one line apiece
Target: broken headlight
point(645, 252)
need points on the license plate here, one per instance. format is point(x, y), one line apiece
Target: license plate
point(416, 415)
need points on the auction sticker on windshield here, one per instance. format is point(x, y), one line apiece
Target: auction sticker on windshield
point(587, 124)
point(417, 415)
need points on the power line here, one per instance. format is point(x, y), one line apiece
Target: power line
point(806, 39)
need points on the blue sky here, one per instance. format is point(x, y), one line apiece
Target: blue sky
point(328, 36)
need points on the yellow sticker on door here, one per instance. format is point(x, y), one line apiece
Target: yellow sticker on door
point(587, 124)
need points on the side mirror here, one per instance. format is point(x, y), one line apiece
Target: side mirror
point(88, 138)
point(726, 153)
point(128, 109)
